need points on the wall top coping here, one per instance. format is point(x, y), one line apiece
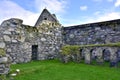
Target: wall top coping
point(116, 21)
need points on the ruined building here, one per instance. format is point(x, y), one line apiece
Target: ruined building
point(24, 43)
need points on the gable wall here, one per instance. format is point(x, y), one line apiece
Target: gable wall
point(45, 14)
point(17, 39)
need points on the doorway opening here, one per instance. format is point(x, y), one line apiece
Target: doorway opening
point(34, 52)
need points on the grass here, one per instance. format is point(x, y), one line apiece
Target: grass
point(55, 70)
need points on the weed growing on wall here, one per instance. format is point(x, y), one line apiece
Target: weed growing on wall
point(68, 49)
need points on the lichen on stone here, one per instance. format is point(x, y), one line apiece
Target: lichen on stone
point(2, 52)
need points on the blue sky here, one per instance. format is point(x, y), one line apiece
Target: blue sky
point(69, 12)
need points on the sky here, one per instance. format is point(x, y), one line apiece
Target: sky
point(68, 12)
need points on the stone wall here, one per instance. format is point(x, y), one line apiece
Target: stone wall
point(50, 40)
point(94, 33)
point(46, 15)
point(18, 40)
point(13, 36)
point(4, 62)
point(98, 54)
point(4, 65)
point(23, 42)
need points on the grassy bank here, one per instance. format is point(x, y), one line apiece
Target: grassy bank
point(54, 70)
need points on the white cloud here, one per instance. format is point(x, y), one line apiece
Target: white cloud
point(96, 18)
point(117, 3)
point(55, 6)
point(70, 22)
point(97, 13)
point(103, 0)
point(110, 0)
point(83, 8)
point(97, 0)
point(10, 9)
point(103, 17)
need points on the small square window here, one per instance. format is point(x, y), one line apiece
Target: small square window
point(50, 31)
point(45, 18)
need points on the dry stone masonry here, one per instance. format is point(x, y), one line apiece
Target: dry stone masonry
point(23, 43)
point(4, 65)
point(94, 33)
point(4, 62)
point(97, 53)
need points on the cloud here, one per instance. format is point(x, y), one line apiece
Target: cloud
point(98, 17)
point(117, 3)
point(70, 22)
point(103, 0)
point(83, 8)
point(97, 13)
point(10, 9)
point(103, 17)
point(56, 6)
point(97, 0)
point(110, 0)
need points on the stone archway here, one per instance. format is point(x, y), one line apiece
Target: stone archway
point(113, 57)
point(93, 54)
point(82, 54)
point(99, 55)
point(118, 55)
point(87, 55)
point(106, 55)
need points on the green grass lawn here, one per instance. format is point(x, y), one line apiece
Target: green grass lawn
point(55, 70)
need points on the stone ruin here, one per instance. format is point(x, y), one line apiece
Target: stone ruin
point(100, 54)
point(4, 62)
point(23, 43)
point(93, 33)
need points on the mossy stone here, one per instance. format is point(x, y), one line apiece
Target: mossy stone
point(2, 51)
